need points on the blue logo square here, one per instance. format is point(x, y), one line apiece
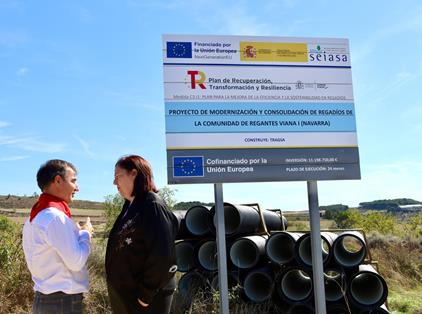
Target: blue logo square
point(188, 166)
point(178, 49)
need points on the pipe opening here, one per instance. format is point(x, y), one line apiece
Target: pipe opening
point(367, 288)
point(334, 286)
point(305, 250)
point(197, 220)
point(296, 285)
point(244, 254)
point(207, 256)
point(280, 248)
point(185, 256)
point(349, 251)
point(258, 287)
point(189, 283)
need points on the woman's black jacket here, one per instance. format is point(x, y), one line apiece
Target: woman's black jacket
point(140, 254)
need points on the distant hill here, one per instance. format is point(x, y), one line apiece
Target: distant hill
point(391, 205)
point(187, 205)
point(338, 207)
point(16, 201)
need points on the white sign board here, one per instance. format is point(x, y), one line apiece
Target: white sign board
point(243, 109)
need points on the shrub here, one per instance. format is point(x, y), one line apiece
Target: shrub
point(112, 207)
point(381, 222)
point(16, 291)
point(373, 221)
point(167, 194)
point(413, 226)
point(348, 219)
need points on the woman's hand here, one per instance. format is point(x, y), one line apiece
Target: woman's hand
point(142, 303)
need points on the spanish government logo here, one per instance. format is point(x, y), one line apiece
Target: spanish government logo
point(249, 52)
point(188, 166)
point(178, 49)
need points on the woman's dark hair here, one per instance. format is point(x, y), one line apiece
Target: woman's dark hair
point(50, 170)
point(144, 181)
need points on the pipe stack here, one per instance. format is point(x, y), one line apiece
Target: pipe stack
point(277, 266)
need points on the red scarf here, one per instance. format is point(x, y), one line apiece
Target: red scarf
point(47, 200)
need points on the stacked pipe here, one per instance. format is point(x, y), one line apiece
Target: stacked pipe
point(196, 248)
point(276, 265)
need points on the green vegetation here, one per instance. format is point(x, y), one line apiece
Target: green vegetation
point(112, 207)
point(384, 223)
point(388, 204)
point(332, 210)
point(337, 207)
point(406, 302)
point(167, 194)
point(15, 279)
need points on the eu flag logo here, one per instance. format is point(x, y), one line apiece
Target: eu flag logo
point(188, 166)
point(178, 49)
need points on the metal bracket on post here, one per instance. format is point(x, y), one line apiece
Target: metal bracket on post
point(221, 249)
point(317, 264)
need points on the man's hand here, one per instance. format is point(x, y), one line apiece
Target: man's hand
point(142, 303)
point(86, 226)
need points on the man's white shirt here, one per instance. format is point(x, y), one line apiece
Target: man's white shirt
point(56, 252)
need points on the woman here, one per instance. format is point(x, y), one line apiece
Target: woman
point(140, 257)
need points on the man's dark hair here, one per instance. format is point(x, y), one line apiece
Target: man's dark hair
point(50, 170)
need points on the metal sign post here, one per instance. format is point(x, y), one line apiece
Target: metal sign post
point(221, 248)
point(317, 265)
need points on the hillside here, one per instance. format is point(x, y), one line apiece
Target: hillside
point(15, 201)
point(389, 204)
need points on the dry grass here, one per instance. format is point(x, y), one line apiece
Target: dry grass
point(400, 260)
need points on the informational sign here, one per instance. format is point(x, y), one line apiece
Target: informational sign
point(254, 109)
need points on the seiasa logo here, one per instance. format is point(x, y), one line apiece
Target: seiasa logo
point(197, 78)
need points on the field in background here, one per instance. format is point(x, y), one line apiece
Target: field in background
point(98, 219)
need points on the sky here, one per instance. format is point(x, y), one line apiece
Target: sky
point(83, 81)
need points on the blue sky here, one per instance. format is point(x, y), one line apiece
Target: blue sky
point(82, 81)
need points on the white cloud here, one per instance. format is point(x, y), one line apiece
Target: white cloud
point(33, 144)
point(4, 124)
point(13, 158)
point(10, 140)
point(399, 80)
point(22, 71)
point(86, 147)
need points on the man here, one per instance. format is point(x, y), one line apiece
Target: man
point(56, 249)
